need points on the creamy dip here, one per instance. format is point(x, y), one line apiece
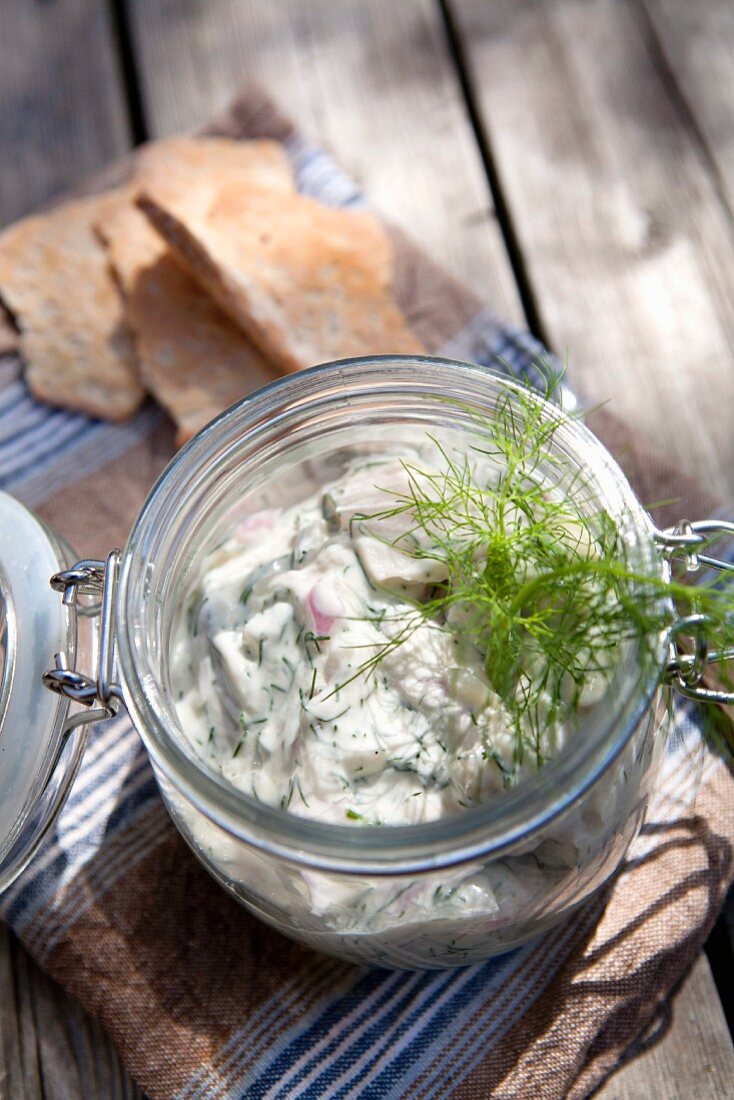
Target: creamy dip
point(305, 673)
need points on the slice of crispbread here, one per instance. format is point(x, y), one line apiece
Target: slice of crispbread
point(193, 359)
point(306, 282)
point(74, 339)
point(178, 163)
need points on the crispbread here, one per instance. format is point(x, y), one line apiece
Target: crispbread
point(179, 162)
point(306, 282)
point(74, 339)
point(193, 359)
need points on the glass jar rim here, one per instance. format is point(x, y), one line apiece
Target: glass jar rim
point(492, 827)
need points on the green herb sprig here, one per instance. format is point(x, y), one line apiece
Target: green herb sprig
point(538, 579)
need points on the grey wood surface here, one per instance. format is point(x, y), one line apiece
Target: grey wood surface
point(697, 45)
point(607, 136)
point(62, 105)
point(624, 237)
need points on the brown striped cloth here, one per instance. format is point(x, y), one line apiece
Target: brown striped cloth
point(206, 1002)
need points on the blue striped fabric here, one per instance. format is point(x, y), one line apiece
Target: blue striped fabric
point(374, 1033)
point(42, 448)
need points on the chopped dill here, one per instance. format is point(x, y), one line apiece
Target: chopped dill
point(243, 735)
point(300, 791)
point(286, 799)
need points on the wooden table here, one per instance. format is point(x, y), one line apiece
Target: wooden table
point(573, 160)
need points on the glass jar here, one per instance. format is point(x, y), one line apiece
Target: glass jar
point(443, 893)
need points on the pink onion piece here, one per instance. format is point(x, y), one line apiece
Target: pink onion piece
point(256, 523)
point(324, 607)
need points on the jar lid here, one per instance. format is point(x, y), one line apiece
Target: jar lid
point(34, 624)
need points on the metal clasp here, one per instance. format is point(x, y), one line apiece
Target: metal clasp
point(99, 693)
point(685, 670)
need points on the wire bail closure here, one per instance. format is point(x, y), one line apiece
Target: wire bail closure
point(686, 670)
point(100, 693)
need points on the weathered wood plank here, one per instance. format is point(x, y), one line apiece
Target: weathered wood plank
point(625, 240)
point(372, 81)
point(686, 1061)
point(697, 41)
point(62, 105)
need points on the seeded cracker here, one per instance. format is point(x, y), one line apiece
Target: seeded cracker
point(73, 336)
point(178, 162)
point(193, 359)
point(306, 282)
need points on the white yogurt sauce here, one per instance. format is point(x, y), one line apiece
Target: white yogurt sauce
point(267, 659)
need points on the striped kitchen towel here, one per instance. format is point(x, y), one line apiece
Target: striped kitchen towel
point(206, 1002)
